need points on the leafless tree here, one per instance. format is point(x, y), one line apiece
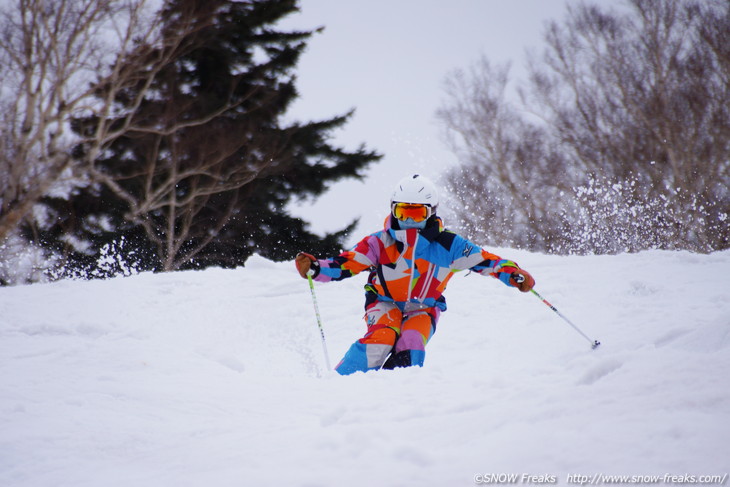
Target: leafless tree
point(648, 103)
point(53, 55)
point(632, 110)
point(505, 161)
point(69, 60)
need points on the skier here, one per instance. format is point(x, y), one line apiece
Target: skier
point(410, 262)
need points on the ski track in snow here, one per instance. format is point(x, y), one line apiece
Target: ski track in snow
point(216, 378)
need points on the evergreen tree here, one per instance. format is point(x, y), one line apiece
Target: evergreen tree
point(206, 175)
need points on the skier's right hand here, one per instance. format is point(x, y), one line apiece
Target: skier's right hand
point(305, 263)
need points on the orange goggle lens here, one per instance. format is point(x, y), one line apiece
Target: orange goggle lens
point(404, 211)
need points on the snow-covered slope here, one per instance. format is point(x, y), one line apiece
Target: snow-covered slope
point(216, 378)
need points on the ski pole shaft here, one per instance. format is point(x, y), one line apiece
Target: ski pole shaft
point(319, 321)
point(594, 343)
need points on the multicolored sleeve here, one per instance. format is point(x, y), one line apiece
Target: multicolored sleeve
point(498, 268)
point(362, 256)
point(469, 255)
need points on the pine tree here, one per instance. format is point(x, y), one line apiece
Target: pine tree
point(206, 175)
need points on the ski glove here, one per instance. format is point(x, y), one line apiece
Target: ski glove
point(306, 263)
point(522, 280)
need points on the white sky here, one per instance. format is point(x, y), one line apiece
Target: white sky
point(388, 59)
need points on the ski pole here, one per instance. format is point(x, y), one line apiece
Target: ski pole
point(594, 343)
point(319, 320)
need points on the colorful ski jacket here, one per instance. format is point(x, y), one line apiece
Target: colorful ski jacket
point(412, 267)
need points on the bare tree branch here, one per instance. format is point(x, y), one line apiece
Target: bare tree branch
point(51, 54)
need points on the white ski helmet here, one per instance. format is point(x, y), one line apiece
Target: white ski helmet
point(416, 189)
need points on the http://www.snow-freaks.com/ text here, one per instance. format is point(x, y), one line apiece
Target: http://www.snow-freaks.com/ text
point(598, 479)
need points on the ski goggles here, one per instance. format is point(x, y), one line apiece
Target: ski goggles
point(417, 212)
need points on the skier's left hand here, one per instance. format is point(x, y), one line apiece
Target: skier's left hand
point(522, 280)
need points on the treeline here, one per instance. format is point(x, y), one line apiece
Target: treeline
point(135, 139)
point(619, 140)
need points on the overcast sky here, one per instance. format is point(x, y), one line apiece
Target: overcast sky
point(387, 59)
